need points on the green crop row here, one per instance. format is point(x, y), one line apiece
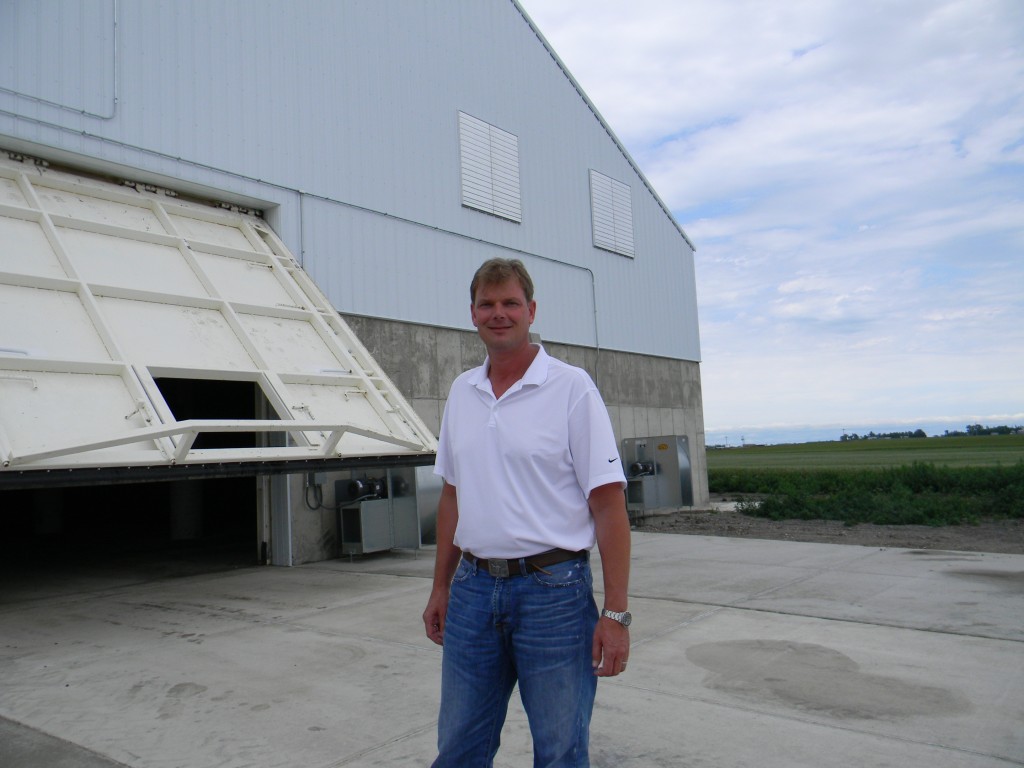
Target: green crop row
point(914, 494)
point(984, 450)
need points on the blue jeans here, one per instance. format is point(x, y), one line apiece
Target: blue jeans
point(536, 629)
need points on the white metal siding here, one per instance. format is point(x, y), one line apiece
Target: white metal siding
point(339, 119)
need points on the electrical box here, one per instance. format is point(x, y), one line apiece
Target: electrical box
point(380, 509)
point(366, 527)
point(658, 473)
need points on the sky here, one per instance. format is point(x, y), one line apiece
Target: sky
point(852, 174)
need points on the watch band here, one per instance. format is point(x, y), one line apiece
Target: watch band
point(625, 618)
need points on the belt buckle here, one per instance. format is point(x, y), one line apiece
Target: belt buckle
point(498, 568)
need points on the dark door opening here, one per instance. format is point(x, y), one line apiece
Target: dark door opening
point(217, 399)
point(154, 529)
point(149, 529)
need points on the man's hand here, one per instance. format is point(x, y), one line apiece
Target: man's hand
point(445, 563)
point(611, 648)
point(434, 615)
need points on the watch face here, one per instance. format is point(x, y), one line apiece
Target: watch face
point(627, 618)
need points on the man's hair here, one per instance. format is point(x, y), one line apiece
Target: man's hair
point(497, 271)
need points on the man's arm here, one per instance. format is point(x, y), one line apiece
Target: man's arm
point(611, 522)
point(445, 563)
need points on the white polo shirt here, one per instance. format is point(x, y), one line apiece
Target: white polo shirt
point(524, 465)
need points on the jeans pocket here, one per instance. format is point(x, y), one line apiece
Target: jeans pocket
point(571, 573)
point(463, 572)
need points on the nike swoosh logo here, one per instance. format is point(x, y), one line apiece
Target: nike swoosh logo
point(611, 460)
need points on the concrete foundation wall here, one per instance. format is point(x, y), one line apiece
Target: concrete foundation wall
point(646, 396)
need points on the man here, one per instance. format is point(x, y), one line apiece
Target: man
point(532, 478)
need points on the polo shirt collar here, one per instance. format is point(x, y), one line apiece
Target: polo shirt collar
point(535, 375)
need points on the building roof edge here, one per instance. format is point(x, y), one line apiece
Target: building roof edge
point(602, 121)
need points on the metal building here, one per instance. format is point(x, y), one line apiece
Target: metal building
point(191, 190)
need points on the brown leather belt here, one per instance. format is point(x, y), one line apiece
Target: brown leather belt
point(502, 569)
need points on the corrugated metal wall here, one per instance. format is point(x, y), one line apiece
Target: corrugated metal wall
point(342, 118)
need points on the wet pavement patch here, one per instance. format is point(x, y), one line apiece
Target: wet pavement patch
point(815, 679)
point(1012, 580)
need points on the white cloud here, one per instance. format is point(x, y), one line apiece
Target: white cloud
point(853, 177)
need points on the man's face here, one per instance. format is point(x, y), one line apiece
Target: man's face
point(502, 315)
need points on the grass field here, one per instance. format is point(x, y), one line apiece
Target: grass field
point(980, 451)
point(912, 481)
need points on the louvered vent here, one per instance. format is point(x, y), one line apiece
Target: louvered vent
point(490, 168)
point(612, 206)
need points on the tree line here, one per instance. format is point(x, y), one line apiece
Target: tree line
point(882, 435)
point(974, 430)
point(971, 430)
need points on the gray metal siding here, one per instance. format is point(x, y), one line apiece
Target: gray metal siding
point(364, 256)
point(345, 116)
point(60, 53)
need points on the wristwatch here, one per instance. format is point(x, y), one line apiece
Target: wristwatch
point(625, 618)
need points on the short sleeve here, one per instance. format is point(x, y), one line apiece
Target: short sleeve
point(595, 454)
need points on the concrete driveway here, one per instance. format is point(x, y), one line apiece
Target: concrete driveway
point(746, 653)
